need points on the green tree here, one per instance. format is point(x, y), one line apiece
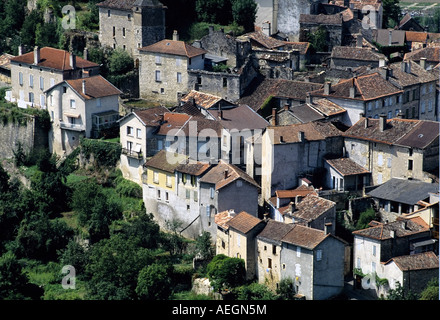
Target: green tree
point(27, 32)
point(399, 293)
point(13, 281)
point(431, 290)
point(204, 248)
point(285, 289)
point(255, 291)
point(214, 11)
point(75, 255)
point(391, 13)
point(318, 39)
point(13, 18)
point(225, 272)
point(154, 282)
point(244, 13)
point(144, 229)
point(120, 62)
point(365, 218)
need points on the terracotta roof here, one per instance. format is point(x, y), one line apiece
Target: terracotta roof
point(305, 237)
point(189, 108)
point(240, 117)
point(264, 41)
point(415, 36)
point(355, 53)
point(360, 4)
point(195, 168)
point(151, 116)
point(400, 228)
point(173, 47)
point(367, 87)
point(166, 161)
point(243, 222)
point(54, 59)
point(327, 107)
point(432, 54)
point(302, 47)
point(221, 219)
point(301, 191)
point(346, 166)
point(311, 207)
point(275, 231)
point(321, 19)
point(217, 175)
point(95, 87)
point(313, 131)
point(204, 100)
point(173, 121)
point(5, 61)
point(418, 261)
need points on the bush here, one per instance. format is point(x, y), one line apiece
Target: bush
point(106, 154)
point(128, 188)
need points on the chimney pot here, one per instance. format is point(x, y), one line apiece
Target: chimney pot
point(327, 87)
point(292, 206)
point(20, 50)
point(423, 63)
point(226, 173)
point(175, 36)
point(352, 92)
point(72, 60)
point(382, 122)
point(86, 54)
point(301, 136)
point(84, 87)
point(36, 55)
point(327, 227)
point(366, 123)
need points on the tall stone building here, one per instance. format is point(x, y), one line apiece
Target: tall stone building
point(131, 24)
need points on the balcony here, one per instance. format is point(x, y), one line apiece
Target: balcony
point(73, 127)
point(132, 154)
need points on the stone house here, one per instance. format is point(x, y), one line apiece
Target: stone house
point(164, 69)
point(34, 72)
point(288, 152)
point(430, 53)
point(333, 24)
point(429, 212)
point(137, 137)
point(343, 57)
point(227, 187)
point(343, 174)
point(399, 196)
point(131, 24)
point(314, 260)
point(376, 247)
point(394, 148)
point(269, 252)
point(5, 67)
point(408, 23)
point(80, 108)
point(236, 238)
point(370, 95)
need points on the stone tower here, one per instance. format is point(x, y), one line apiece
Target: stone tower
point(148, 22)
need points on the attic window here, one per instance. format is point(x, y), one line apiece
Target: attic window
point(421, 135)
point(168, 43)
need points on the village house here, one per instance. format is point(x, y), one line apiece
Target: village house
point(288, 152)
point(137, 137)
point(394, 148)
point(408, 23)
point(132, 24)
point(343, 174)
point(236, 237)
point(34, 72)
point(331, 23)
point(369, 11)
point(429, 212)
point(343, 57)
point(314, 260)
point(78, 108)
point(378, 249)
point(430, 53)
point(5, 67)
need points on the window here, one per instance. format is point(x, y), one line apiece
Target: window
point(374, 251)
point(430, 105)
point(179, 77)
point(423, 89)
point(389, 162)
point(377, 104)
point(410, 164)
point(188, 194)
point(274, 249)
point(370, 106)
point(108, 13)
point(390, 114)
point(129, 131)
point(184, 178)
point(167, 197)
point(156, 177)
point(41, 83)
point(169, 181)
point(158, 59)
point(196, 196)
point(158, 194)
point(129, 145)
point(269, 263)
point(422, 107)
point(20, 78)
point(157, 75)
point(431, 88)
point(318, 255)
point(114, 32)
point(225, 82)
point(72, 104)
point(298, 251)
point(98, 102)
point(72, 120)
point(410, 152)
point(212, 191)
point(31, 81)
point(193, 180)
point(379, 178)
point(380, 159)
point(178, 62)
point(42, 100)
point(51, 82)
point(138, 133)
point(129, 17)
point(358, 263)
point(31, 97)
point(208, 211)
point(123, 32)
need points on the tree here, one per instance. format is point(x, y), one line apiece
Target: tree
point(285, 289)
point(318, 39)
point(144, 229)
point(203, 246)
point(214, 11)
point(225, 272)
point(244, 13)
point(431, 290)
point(154, 282)
point(120, 62)
point(391, 13)
point(365, 218)
point(75, 255)
point(255, 291)
point(13, 281)
point(399, 293)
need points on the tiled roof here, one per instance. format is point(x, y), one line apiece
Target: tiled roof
point(264, 41)
point(360, 4)
point(415, 36)
point(404, 191)
point(398, 228)
point(332, 19)
point(202, 127)
point(165, 161)
point(312, 207)
point(173, 47)
point(346, 166)
point(95, 87)
point(204, 100)
point(313, 131)
point(240, 118)
point(54, 59)
point(422, 135)
point(151, 116)
point(128, 4)
point(382, 36)
point(432, 54)
point(274, 231)
point(5, 61)
point(302, 47)
point(367, 87)
point(221, 219)
point(418, 261)
point(355, 53)
point(301, 191)
point(305, 113)
point(243, 222)
point(195, 168)
point(173, 121)
point(220, 178)
point(327, 107)
point(305, 237)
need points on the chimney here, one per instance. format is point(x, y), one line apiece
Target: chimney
point(278, 202)
point(381, 62)
point(231, 213)
point(328, 227)
point(297, 200)
point(266, 28)
point(86, 54)
point(352, 91)
point(327, 87)
point(301, 136)
point(359, 40)
point(309, 98)
point(423, 63)
point(382, 122)
point(72, 60)
point(286, 107)
point(405, 66)
point(400, 115)
point(292, 207)
point(220, 112)
point(36, 55)
point(226, 173)
point(366, 123)
point(390, 37)
point(20, 50)
point(84, 87)
point(281, 139)
point(274, 117)
point(175, 36)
